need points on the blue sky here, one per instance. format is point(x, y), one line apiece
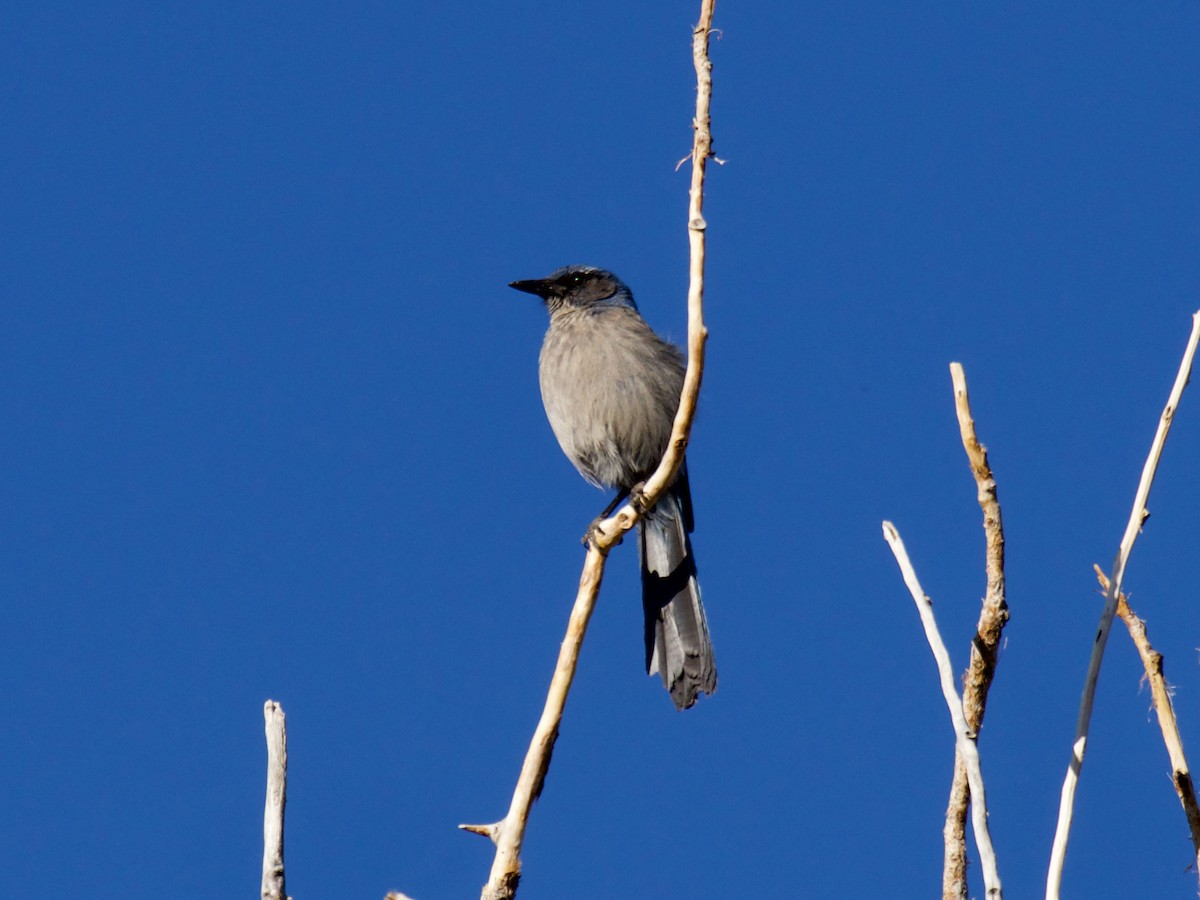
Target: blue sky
point(272, 429)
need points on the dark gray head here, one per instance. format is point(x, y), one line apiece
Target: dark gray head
point(578, 287)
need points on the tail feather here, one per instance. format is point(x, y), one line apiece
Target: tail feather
point(678, 646)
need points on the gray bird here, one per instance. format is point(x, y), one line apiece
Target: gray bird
point(611, 388)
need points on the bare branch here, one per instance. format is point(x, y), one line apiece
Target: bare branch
point(1137, 516)
point(994, 614)
point(1181, 776)
point(964, 739)
point(954, 834)
point(984, 648)
point(509, 833)
point(272, 868)
point(664, 475)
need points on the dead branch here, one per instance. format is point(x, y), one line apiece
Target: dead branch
point(977, 679)
point(1152, 661)
point(1133, 527)
point(273, 887)
point(509, 833)
point(964, 740)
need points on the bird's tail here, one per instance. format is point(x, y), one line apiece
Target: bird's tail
point(677, 643)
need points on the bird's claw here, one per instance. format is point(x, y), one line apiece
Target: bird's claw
point(594, 530)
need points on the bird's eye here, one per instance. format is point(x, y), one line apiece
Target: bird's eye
point(576, 278)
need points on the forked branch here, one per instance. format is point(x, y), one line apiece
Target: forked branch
point(964, 740)
point(1137, 516)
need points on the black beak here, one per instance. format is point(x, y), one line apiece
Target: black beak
point(539, 286)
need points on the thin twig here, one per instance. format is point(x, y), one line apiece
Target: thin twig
point(984, 648)
point(964, 741)
point(1152, 661)
point(273, 887)
point(509, 833)
point(697, 333)
point(1137, 516)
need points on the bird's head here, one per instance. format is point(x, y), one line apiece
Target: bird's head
point(578, 287)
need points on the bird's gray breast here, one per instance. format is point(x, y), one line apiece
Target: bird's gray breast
point(610, 387)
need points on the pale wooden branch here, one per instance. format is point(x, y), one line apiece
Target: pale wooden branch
point(1137, 516)
point(964, 740)
point(984, 648)
point(509, 833)
point(272, 868)
point(1152, 661)
point(697, 332)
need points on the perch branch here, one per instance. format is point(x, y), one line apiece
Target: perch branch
point(664, 475)
point(273, 887)
point(984, 648)
point(1137, 516)
point(964, 740)
point(1181, 776)
point(509, 833)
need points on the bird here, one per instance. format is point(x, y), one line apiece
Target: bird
point(611, 388)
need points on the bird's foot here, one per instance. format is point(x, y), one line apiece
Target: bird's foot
point(595, 531)
point(637, 497)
